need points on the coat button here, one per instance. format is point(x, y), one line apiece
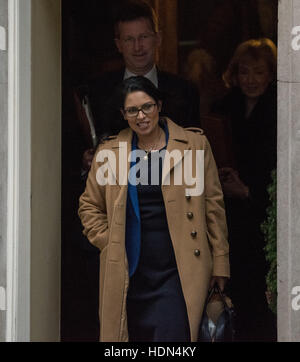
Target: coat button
point(197, 252)
point(188, 197)
point(194, 233)
point(190, 215)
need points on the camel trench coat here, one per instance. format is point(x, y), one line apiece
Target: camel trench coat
point(197, 227)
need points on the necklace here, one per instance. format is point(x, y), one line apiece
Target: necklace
point(153, 147)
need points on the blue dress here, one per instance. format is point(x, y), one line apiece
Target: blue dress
point(156, 307)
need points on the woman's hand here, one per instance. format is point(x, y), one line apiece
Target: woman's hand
point(232, 185)
point(221, 281)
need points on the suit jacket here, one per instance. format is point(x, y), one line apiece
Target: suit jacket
point(199, 256)
point(181, 101)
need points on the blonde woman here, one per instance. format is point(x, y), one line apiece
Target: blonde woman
point(251, 107)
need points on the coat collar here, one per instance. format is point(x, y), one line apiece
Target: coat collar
point(178, 144)
point(121, 145)
point(176, 133)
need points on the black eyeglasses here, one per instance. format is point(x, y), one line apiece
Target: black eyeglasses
point(146, 108)
point(130, 40)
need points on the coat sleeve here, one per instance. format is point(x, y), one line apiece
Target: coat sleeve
point(215, 215)
point(92, 210)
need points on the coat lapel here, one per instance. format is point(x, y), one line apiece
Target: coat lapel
point(177, 145)
point(121, 146)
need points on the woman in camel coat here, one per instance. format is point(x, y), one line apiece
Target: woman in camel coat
point(138, 300)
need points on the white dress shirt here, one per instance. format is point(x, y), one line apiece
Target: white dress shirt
point(152, 75)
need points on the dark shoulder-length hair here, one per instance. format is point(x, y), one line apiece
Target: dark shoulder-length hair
point(136, 84)
point(262, 48)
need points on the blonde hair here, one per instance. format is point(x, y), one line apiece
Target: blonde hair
point(262, 48)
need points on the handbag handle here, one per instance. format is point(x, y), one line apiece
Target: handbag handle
point(215, 290)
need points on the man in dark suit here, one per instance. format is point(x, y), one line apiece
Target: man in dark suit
point(138, 38)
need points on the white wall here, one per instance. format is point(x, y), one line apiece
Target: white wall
point(288, 195)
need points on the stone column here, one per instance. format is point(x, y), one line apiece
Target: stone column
point(288, 237)
point(3, 160)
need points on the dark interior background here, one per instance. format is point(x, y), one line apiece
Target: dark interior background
point(217, 26)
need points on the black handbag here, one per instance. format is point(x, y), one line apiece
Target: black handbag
point(217, 324)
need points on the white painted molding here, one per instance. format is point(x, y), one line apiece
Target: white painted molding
point(2, 299)
point(2, 38)
point(288, 172)
point(19, 171)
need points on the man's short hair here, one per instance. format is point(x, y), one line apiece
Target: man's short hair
point(131, 10)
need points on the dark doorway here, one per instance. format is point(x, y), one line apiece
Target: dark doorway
point(88, 50)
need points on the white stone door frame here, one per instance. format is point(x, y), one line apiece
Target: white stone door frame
point(19, 171)
point(34, 171)
point(288, 174)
